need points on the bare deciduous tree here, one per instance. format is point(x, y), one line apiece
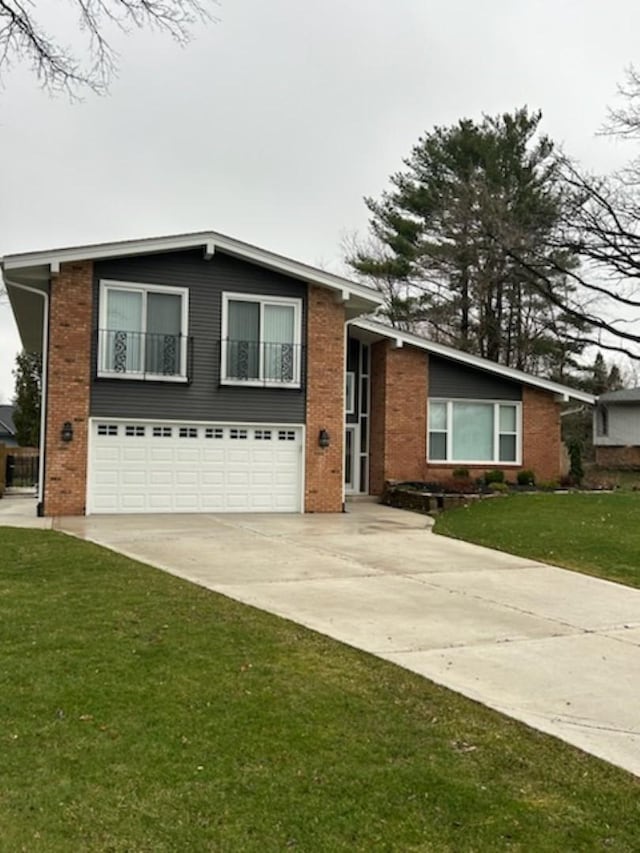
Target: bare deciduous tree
point(24, 37)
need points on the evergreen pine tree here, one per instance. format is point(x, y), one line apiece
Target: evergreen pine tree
point(27, 401)
point(471, 198)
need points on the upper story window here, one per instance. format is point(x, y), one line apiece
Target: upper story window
point(261, 340)
point(142, 331)
point(473, 431)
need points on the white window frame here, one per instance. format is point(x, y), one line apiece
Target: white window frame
point(108, 285)
point(449, 460)
point(262, 301)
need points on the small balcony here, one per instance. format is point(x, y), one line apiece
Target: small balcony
point(261, 363)
point(144, 355)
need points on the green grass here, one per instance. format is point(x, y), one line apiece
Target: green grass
point(598, 534)
point(140, 713)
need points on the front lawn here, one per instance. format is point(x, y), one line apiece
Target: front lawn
point(140, 713)
point(594, 533)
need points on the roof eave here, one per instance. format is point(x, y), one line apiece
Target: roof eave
point(563, 391)
point(209, 241)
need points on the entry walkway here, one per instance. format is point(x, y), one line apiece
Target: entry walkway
point(19, 510)
point(556, 649)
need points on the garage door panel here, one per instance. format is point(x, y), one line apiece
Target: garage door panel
point(212, 478)
point(106, 503)
point(262, 478)
point(214, 456)
point(160, 478)
point(186, 502)
point(212, 502)
point(161, 454)
point(238, 502)
point(108, 454)
point(132, 501)
point(107, 478)
point(169, 467)
point(185, 456)
point(186, 478)
point(159, 502)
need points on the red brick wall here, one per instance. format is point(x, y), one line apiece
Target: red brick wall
point(406, 413)
point(398, 414)
point(325, 400)
point(618, 456)
point(68, 389)
point(541, 442)
point(399, 389)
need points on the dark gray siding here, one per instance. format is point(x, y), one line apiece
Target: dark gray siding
point(451, 379)
point(204, 398)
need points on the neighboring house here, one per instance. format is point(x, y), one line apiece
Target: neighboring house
point(7, 427)
point(198, 373)
point(616, 429)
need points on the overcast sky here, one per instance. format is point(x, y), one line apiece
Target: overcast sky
point(274, 122)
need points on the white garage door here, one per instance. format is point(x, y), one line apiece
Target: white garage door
point(173, 467)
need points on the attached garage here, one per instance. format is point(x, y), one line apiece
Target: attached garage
point(143, 467)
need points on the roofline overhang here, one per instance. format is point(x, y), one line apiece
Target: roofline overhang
point(209, 242)
point(564, 392)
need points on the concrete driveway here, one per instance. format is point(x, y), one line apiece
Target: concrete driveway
point(556, 649)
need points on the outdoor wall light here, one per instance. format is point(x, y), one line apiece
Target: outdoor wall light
point(66, 434)
point(324, 439)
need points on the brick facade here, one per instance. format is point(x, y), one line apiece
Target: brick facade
point(325, 401)
point(618, 456)
point(68, 389)
point(541, 439)
point(398, 414)
point(399, 390)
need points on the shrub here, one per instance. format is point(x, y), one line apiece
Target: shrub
point(495, 476)
point(498, 488)
point(460, 473)
point(576, 471)
point(458, 486)
point(526, 478)
point(548, 485)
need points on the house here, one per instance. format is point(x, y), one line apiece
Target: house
point(616, 429)
point(7, 427)
point(198, 373)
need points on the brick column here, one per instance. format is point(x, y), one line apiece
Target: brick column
point(325, 400)
point(399, 380)
point(68, 387)
point(540, 433)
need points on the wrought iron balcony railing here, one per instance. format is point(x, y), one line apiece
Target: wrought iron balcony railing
point(143, 355)
point(262, 363)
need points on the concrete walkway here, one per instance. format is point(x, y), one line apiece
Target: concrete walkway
point(19, 510)
point(556, 649)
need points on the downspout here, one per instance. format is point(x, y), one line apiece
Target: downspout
point(576, 411)
point(45, 372)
